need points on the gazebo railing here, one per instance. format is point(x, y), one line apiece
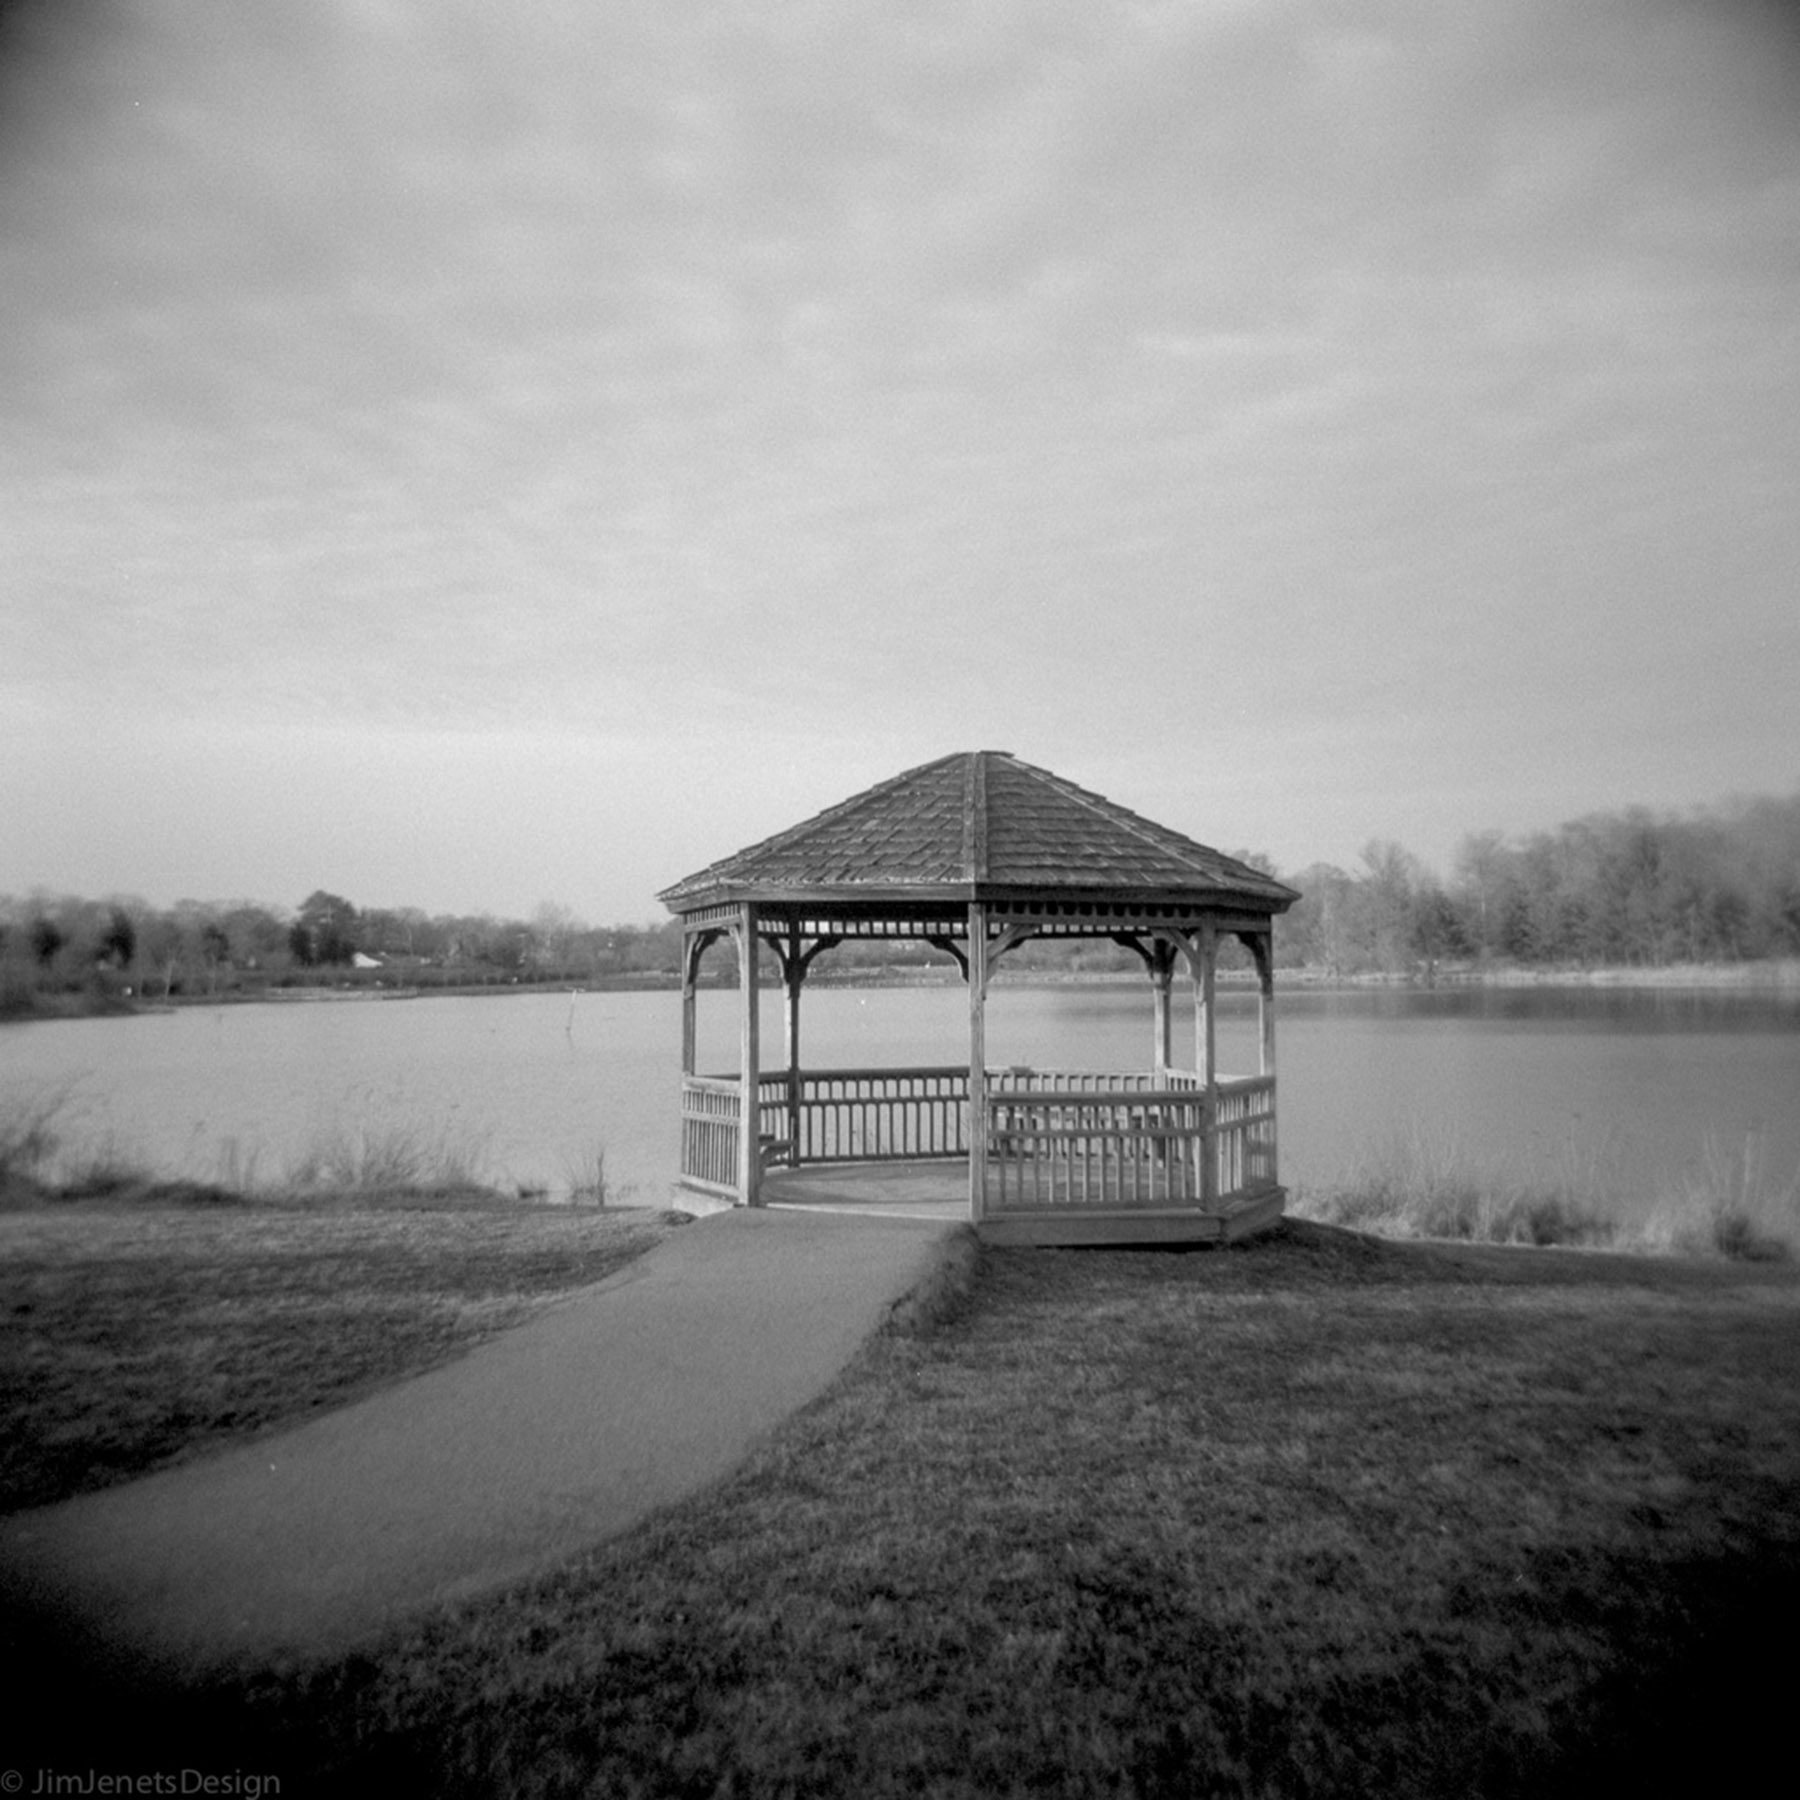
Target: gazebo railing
point(1139, 1146)
point(1084, 1147)
point(1056, 1138)
point(710, 1123)
point(1245, 1129)
point(1083, 1081)
point(868, 1115)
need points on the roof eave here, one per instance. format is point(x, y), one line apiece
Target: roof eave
point(848, 896)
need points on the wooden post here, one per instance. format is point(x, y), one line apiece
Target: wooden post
point(693, 947)
point(1162, 972)
point(1262, 947)
point(1206, 1058)
point(749, 1169)
point(978, 1137)
point(1200, 965)
point(794, 968)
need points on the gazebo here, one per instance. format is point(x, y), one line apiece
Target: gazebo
point(975, 854)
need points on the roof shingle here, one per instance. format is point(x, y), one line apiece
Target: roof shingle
point(975, 824)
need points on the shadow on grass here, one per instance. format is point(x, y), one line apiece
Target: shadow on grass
point(1704, 1709)
point(1316, 1516)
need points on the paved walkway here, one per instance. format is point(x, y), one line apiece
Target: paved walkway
point(617, 1400)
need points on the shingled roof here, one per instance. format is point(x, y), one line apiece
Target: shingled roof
point(978, 825)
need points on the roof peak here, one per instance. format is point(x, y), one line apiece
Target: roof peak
point(970, 824)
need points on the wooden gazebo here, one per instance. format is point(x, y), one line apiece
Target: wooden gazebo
point(974, 854)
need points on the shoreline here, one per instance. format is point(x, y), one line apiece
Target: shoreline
point(1778, 976)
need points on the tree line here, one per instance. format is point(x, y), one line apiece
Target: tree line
point(1632, 888)
point(123, 948)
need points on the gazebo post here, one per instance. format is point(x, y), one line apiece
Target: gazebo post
point(1262, 947)
point(1162, 972)
point(1206, 1062)
point(978, 1120)
point(693, 947)
point(794, 971)
point(749, 1169)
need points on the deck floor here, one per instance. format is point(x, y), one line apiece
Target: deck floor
point(895, 1190)
point(940, 1190)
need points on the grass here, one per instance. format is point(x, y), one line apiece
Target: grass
point(589, 1184)
point(1731, 1205)
point(351, 1160)
point(388, 1159)
point(144, 1319)
point(31, 1126)
point(1320, 1515)
point(1420, 1183)
point(1323, 1515)
point(136, 1332)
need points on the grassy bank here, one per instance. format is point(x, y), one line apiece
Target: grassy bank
point(1320, 1516)
point(145, 1328)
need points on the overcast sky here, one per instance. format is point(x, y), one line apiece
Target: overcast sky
point(464, 455)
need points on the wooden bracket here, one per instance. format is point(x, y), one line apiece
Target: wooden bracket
point(1131, 941)
point(698, 944)
point(789, 960)
point(1261, 945)
point(953, 949)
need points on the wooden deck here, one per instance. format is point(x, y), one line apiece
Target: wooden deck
point(940, 1190)
point(894, 1190)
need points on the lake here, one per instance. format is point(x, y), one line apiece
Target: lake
point(1515, 1082)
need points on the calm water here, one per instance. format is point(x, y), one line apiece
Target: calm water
point(1514, 1081)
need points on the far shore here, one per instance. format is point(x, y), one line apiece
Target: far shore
point(1780, 975)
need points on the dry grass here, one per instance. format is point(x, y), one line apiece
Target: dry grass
point(1419, 1183)
point(1732, 1205)
point(1321, 1516)
point(368, 1159)
point(588, 1182)
point(44, 1155)
point(31, 1126)
point(137, 1331)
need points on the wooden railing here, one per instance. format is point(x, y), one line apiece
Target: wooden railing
point(1090, 1147)
point(1127, 1142)
point(710, 1124)
point(1055, 1137)
point(1081, 1081)
point(1246, 1136)
point(869, 1115)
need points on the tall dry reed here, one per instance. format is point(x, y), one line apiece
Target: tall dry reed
point(1420, 1183)
point(366, 1159)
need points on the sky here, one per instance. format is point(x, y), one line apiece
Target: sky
point(464, 456)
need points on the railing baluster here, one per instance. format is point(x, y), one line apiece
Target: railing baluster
point(1080, 1140)
point(1060, 1138)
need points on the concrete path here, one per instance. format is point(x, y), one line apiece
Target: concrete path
point(617, 1400)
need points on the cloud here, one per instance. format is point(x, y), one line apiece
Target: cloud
point(906, 377)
